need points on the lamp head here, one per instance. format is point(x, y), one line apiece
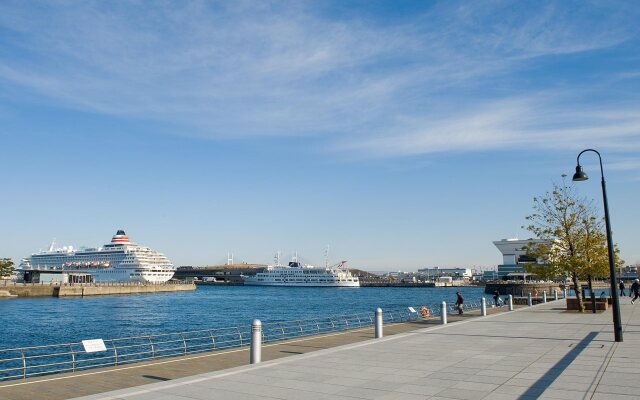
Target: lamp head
point(579, 175)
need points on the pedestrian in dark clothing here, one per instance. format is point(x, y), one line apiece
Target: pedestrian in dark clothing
point(459, 303)
point(621, 286)
point(635, 289)
point(496, 296)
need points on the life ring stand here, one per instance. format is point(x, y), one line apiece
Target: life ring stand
point(424, 311)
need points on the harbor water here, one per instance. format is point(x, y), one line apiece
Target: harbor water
point(40, 321)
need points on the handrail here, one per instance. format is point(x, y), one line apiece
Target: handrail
point(57, 358)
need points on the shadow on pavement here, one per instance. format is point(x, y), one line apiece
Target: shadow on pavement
point(554, 372)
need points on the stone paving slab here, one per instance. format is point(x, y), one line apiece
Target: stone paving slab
point(542, 352)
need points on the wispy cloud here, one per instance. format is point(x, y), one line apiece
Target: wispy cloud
point(625, 164)
point(448, 78)
point(542, 121)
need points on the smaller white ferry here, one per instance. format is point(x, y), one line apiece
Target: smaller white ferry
point(298, 274)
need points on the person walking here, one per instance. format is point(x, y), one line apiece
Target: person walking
point(496, 297)
point(460, 303)
point(621, 286)
point(635, 289)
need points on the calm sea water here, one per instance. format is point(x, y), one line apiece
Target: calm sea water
point(39, 321)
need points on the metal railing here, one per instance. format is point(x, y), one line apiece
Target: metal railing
point(25, 362)
point(469, 305)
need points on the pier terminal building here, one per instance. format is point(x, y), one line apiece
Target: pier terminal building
point(514, 259)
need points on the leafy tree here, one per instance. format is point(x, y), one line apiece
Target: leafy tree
point(575, 243)
point(6, 267)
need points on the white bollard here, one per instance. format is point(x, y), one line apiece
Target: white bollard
point(378, 323)
point(510, 302)
point(544, 296)
point(555, 294)
point(529, 300)
point(483, 311)
point(443, 313)
point(255, 353)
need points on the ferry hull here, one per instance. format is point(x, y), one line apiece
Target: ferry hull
point(303, 284)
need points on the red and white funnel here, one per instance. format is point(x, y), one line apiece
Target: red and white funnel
point(120, 237)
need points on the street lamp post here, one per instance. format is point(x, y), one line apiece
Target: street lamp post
point(581, 176)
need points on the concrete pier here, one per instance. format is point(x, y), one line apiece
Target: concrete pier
point(98, 289)
point(534, 352)
point(68, 385)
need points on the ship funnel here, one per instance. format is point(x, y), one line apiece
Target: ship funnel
point(120, 237)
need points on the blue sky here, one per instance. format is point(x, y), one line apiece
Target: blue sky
point(403, 134)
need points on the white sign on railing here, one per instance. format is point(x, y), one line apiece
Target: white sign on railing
point(94, 345)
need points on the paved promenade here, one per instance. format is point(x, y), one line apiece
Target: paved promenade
point(540, 352)
point(99, 380)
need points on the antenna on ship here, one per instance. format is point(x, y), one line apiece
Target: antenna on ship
point(277, 258)
point(326, 257)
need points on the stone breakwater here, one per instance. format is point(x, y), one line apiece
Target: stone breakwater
point(81, 290)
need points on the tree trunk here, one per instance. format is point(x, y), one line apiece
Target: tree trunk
point(576, 283)
point(593, 296)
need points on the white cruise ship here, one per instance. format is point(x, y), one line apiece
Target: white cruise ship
point(119, 261)
point(297, 274)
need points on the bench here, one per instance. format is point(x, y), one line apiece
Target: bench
point(601, 304)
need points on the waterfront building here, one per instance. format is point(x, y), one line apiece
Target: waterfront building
point(435, 273)
point(228, 273)
point(514, 259)
point(477, 276)
point(629, 272)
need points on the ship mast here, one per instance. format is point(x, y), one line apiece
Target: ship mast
point(277, 258)
point(326, 257)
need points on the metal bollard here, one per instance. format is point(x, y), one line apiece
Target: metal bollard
point(255, 354)
point(544, 296)
point(529, 300)
point(555, 294)
point(510, 302)
point(483, 311)
point(443, 313)
point(378, 323)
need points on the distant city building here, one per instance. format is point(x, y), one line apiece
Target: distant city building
point(514, 259)
point(477, 276)
point(628, 272)
point(437, 272)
